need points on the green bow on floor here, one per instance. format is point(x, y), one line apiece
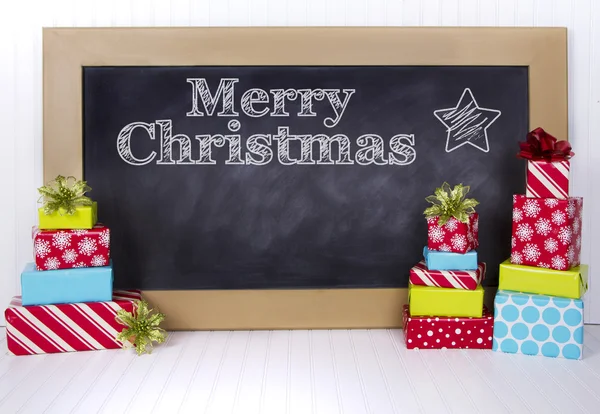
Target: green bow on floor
point(64, 194)
point(449, 202)
point(141, 327)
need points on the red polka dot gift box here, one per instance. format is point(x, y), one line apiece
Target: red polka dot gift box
point(546, 232)
point(67, 249)
point(437, 332)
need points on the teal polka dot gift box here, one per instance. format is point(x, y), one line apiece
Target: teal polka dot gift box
point(538, 325)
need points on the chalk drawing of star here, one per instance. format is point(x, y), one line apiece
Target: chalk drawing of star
point(467, 123)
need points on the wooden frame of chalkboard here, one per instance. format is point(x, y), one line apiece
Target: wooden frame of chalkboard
point(67, 51)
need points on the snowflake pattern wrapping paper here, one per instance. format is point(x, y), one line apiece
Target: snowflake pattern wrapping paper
point(67, 249)
point(548, 179)
point(421, 275)
point(91, 284)
point(538, 325)
point(546, 232)
point(453, 236)
point(66, 328)
point(433, 332)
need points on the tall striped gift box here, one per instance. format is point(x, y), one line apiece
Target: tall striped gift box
point(548, 179)
point(48, 329)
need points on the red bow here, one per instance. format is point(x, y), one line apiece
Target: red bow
point(542, 146)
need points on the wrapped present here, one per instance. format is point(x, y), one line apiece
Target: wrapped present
point(87, 284)
point(66, 328)
point(548, 179)
point(546, 232)
point(453, 236)
point(84, 217)
point(547, 165)
point(434, 332)
point(421, 275)
point(452, 223)
point(66, 249)
point(65, 205)
point(437, 260)
point(532, 324)
point(572, 283)
point(427, 301)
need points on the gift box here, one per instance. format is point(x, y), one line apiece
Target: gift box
point(90, 284)
point(66, 328)
point(571, 283)
point(532, 324)
point(427, 301)
point(454, 236)
point(436, 260)
point(547, 179)
point(546, 232)
point(66, 249)
point(421, 275)
point(84, 217)
point(425, 332)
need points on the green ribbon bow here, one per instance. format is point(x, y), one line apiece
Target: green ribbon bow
point(64, 194)
point(141, 327)
point(449, 202)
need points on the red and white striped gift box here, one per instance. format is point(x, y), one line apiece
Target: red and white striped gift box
point(457, 279)
point(548, 179)
point(60, 328)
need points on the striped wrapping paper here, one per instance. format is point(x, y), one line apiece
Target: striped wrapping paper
point(458, 279)
point(548, 179)
point(60, 328)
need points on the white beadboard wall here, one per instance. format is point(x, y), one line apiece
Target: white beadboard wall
point(21, 87)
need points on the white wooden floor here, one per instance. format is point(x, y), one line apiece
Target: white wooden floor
point(301, 372)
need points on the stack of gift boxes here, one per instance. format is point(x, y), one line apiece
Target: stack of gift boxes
point(538, 308)
point(445, 298)
point(67, 301)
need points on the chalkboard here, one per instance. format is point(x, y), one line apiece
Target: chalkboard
point(295, 177)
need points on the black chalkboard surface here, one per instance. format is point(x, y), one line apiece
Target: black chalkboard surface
point(295, 177)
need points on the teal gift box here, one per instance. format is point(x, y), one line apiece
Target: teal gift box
point(542, 325)
point(80, 284)
point(450, 261)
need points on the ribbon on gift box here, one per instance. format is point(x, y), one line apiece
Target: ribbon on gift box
point(541, 146)
point(64, 194)
point(450, 202)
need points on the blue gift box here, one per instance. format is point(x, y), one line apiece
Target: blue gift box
point(450, 261)
point(538, 325)
point(82, 284)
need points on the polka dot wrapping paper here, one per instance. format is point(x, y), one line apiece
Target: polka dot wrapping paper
point(538, 325)
point(436, 332)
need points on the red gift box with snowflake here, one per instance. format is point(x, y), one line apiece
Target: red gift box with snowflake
point(454, 236)
point(452, 223)
point(66, 249)
point(546, 232)
point(432, 332)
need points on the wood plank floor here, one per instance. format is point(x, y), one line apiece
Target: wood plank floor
point(303, 372)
